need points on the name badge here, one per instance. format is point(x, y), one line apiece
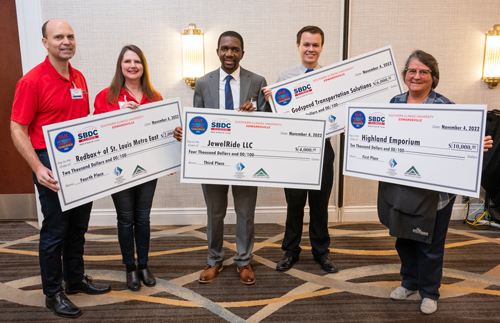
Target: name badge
point(121, 104)
point(76, 93)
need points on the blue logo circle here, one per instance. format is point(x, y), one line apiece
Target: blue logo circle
point(64, 142)
point(283, 96)
point(198, 125)
point(358, 119)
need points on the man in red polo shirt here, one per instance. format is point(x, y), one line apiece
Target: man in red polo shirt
point(53, 92)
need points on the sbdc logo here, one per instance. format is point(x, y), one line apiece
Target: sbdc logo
point(302, 89)
point(87, 134)
point(221, 125)
point(376, 120)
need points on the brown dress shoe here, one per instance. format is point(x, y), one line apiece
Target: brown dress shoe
point(209, 274)
point(247, 276)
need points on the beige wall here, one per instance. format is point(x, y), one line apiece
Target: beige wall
point(268, 29)
point(453, 31)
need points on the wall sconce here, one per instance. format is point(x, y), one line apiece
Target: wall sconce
point(491, 65)
point(193, 60)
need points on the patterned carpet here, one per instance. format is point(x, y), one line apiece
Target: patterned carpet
point(369, 270)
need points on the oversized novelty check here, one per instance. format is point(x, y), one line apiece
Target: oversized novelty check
point(371, 77)
point(103, 154)
point(252, 149)
point(432, 146)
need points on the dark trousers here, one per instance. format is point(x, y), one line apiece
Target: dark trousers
point(318, 205)
point(422, 263)
point(133, 207)
point(62, 233)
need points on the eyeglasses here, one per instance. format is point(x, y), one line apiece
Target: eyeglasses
point(413, 72)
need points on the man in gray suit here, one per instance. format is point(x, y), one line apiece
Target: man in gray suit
point(225, 88)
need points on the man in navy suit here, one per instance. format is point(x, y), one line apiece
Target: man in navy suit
point(229, 87)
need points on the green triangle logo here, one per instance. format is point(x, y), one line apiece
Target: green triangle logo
point(261, 173)
point(139, 170)
point(412, 171)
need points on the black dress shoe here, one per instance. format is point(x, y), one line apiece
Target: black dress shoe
point(286, 263)
point(62, 306)
point(88, 287)
point(327, 264)
point(133, 281)
point(147, 277)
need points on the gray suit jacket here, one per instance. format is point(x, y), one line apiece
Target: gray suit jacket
point(206, 92)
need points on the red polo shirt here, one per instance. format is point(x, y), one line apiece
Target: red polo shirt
point(43, 97)
point(101, 104)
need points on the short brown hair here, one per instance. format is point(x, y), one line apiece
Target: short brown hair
point(426, 59)
point(44, 29)
point(311, 30)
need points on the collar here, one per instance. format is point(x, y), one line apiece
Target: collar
point(53, 74)
point(130, 97)
point(235, 74)
point(431, 97)
point(403, 97)
point(303, 69)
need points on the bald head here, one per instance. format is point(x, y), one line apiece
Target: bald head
point(52, 22)
point(59, 39)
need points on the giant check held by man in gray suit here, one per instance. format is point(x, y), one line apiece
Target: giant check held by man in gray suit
point(229, 87)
